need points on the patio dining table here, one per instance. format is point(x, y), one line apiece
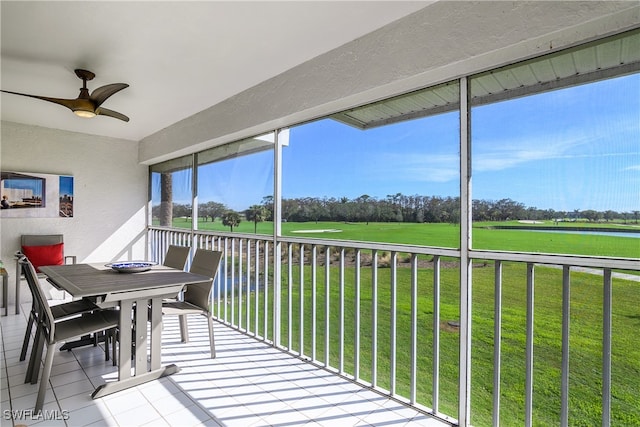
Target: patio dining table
point(128, 290)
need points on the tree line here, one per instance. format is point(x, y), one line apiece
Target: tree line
point(392, 208)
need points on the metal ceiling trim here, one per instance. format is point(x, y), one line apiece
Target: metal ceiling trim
point(562, 83)
point(606, 58)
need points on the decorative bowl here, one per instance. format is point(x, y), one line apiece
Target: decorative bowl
point(131, 266)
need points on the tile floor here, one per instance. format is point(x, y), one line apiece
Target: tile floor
point(248, 384)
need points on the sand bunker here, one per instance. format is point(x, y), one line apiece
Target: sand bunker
point(328, 230)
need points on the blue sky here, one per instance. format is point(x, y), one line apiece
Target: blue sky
point(34, 185)
point(577, 148)
point(66, 185)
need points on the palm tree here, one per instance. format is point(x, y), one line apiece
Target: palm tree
point(231, 219)
point(166, 199)
point(256, 213)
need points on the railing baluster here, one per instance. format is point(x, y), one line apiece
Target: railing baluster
point(289, 296)
point(277, 294)
point(266, 292)
point(341, 314)
point(606, 349)
point(314, 300)
point(301, 302)
point(529, 348)
point(414, 329)
point(233, 281)
point(356, 320)
point(436, 335)
point(248, 288)
point(497, 341)
point(392, 326)
point(327, 289)
point(226, 278)
point(374, 318)
point(566, 306)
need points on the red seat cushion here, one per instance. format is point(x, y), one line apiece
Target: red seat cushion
point(44, 255)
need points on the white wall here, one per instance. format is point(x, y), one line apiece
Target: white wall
point(110, 192)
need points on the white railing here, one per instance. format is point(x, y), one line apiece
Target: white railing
point(316, 310)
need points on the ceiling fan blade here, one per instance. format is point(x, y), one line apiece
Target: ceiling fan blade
point(99, 95)
point(111, 113)
point(69, 103)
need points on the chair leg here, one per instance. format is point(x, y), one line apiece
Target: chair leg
point(212, 342)
point(27, 335)
point(44, 381)
point(114, 338)
point(36, 357)
point(184, 328)
point(107, 336)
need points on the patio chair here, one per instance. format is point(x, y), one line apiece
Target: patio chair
point(49, 332)
point(196, 297)
point(41, 249)
point(59, 312)
point(176, 256)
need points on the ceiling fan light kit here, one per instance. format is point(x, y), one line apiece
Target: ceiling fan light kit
point(84, 114)
point(86, 105)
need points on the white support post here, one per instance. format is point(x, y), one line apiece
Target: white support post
point(464, 386)
point(194, 197)
point(280, 136)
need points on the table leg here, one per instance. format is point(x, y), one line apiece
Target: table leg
point(156, 332)
point(140, 353)
point(124, 361)
point(143, 371)
point(18, 274)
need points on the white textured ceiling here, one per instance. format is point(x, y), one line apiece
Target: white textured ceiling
point(179, 58)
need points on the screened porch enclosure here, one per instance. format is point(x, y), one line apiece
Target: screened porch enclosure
point(357, 241)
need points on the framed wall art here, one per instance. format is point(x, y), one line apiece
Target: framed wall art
point(36, 195)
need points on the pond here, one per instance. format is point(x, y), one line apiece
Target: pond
point(597, 233)
point(228, 284)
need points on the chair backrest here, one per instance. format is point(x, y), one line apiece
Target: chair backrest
point(45, 318)
point(176, 256)
point(205, 263)
point(43, 249)
point(41, 239)
point(24, 263)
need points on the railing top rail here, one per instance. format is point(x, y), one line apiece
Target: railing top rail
point(559, 259)
point(234, 235)
point(391, 247)
point(351, 244)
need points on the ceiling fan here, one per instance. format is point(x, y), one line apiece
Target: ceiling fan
point(86, 105)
